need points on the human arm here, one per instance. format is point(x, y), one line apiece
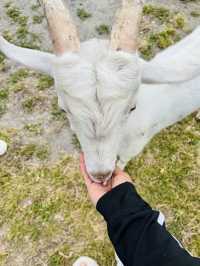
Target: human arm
point(137, 232)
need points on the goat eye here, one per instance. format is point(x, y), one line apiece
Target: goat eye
point(133, 109)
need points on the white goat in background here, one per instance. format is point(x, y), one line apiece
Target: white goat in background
point(115, 101)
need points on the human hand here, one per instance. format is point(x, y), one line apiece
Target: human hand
point(95, 190)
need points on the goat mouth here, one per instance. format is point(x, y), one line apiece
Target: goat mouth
point(101, 181)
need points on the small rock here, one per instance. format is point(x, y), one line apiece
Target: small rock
point(3, 147)
point(26, 203)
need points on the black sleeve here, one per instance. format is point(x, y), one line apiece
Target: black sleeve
point(138, 233)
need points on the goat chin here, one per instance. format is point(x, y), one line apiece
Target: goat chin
point(105, 182)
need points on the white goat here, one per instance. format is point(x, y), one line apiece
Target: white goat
point(115, 101)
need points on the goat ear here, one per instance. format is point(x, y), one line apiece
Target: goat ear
point(178, 63)
point(31, 58)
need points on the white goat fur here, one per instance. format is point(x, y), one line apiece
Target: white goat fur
point(97, 87)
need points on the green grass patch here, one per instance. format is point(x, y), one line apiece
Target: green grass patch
point(195, 13)
point(38, 19)
point(172, 24)
point(33, 150)
point(35, 7)
point(45, 82)
point(35, 129)
point(83, 14)
point(2, 58)
point(4, 94)
point(159, 12)
point(19, 75)
point(56, 112)
point(31, 103)
point(103, 29)
point(22, 36)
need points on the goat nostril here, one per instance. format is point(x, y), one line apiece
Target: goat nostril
point(101, 176)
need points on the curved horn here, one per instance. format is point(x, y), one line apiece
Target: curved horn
point(62, 30)
point(125, 31)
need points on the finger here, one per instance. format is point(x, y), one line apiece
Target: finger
point(119, 172)
point(120, 177)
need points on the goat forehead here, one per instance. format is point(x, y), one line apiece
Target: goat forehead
point(111, 77)
point(98, 120)
point(98, 90)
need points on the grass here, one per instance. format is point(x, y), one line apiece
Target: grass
point(35, 129)
point(23, 36)
point(33, 150)
point(38, 19)
point(103, 29)
point(56, 112)
point(44, 82)
point(171, 25)
point(45, 215)
point(195, 13)
point(30, 104)
point(83, 14)
point(48, 206)
point(4, 94)
point(2, 62)
point(168, 177)
point(159, 12)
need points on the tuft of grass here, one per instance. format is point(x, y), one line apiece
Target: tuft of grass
point(31, 103)
point(83, 14)
point(3, 108)
point(171, 25)
point(179, 21)
point(103, 29)
point(34, 128)
point(35, 7)
point(45, 82)
point(18, 75)
point(23, 36)
point(76, 142)
point(195, 13)
point(4, 93)
point(13, 13)
point(2, 62)
point(2, 58)
point(8, 36)
point(56, 112)
point(38, 19)
point(164, 38)
point(161, 40)
point(159, 12)
point(33, 150)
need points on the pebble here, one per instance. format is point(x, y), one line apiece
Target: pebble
point(3, 147)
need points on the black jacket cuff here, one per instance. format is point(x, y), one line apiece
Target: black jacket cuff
point(123, 199)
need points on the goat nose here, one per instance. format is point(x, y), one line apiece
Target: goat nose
point(101, 176)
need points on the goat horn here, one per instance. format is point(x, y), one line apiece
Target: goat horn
point(124, 34)
point(62, 30)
